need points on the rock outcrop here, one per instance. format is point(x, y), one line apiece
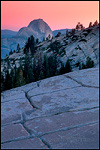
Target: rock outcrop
point(58, 112)
point(38, 28)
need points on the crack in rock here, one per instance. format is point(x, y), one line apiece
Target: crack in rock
point(80, 82)
point(25, 120)
point(26, 128)
point(76, 110)
point(50, 115)
point(45, 142)
point(17, 139)
point(38, 83)
point(26, 95)
point(29, 89)
point(46, 133)
point(53, 91)
point(13, 122)
point(68, 128)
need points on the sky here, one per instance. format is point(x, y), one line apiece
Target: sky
point(57, 14)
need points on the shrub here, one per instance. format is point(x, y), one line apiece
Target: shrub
point(43, 48)
point(68, 67)
point(58, 34)
point(84, 40)
point(10, 53)
point(55, 46)
point(89, 62)
point(62, 52)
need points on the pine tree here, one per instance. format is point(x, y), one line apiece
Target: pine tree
point(12, 75)
point(43, 38)
point(30, 74)
point(8, 63)
point(18, 48)
point(90, 25)
point(20, 79)
point(66, 33)
point(15, 75)
point(45, 67)
point(26, 48)
point(28, 69)
point(73, 31)
point(41, 76)
point(7, 81)
point(35, 70)
point(80, 26)
point(83, 66)
point(58, 34)
point(10, 53)
point(49, 37)
point(62, 69)
point(52, 65)
point(95, 23)
point(37, 41)
point(68, 67)
point(2, 82)
point(55, 46)
point(30, 45)
point(89, 62)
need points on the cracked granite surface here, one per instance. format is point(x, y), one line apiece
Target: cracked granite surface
point(59, 112)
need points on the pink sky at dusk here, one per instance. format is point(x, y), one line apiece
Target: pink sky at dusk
point(57, 14)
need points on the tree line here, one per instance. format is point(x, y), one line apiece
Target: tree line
point(33, 70)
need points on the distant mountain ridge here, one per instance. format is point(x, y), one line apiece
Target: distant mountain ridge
point(62, 31)
point(38, 28)
point(11, 33)
point(8, 33)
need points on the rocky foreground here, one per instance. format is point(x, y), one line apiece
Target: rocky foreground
point(60, 112)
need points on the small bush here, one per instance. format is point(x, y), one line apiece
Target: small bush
point(55, 46)
point(74, 55)
point(62, 52)
point(43, 48)
point(89, 64)
point(85, 33)
point(83, 40)
point(68, 67)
